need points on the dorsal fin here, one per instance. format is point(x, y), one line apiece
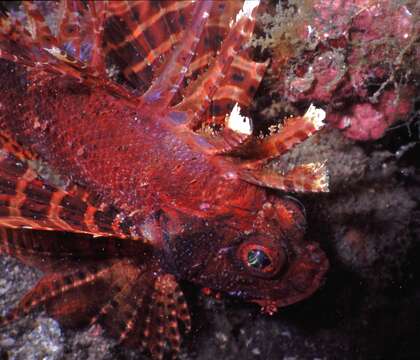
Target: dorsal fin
point(64, 37)
point(136, 40)
point(312, 177)
point(294, 131)
point(232, 78)
point(140, 36)
point(215, 31)
point(168, 83)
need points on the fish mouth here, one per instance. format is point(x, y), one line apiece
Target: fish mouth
point(305, 275)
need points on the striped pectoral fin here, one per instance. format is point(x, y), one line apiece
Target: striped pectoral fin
point(294, 131)
point(153, 315)
point(40, 249)
point(59, 288)
point(311, 177)
point(70, 294)
point(29, 201)
point(136, 304)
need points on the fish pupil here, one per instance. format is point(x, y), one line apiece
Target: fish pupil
point(258, 259)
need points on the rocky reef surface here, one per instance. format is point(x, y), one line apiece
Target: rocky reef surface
point(360, 59)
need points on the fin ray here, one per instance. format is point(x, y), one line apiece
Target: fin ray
point(74, 50)
point(27, 200)
point(294, 131)
point(311, 177)
point(199, 95)
point(169, 81)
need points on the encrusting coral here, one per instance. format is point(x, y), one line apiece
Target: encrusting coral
point(357, 59)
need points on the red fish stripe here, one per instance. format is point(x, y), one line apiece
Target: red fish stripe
point(294, 131)
point(44, 291)
point(122, 8)
point(169, 81)
point(153, 55)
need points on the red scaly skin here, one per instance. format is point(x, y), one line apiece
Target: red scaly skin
point(130, 157)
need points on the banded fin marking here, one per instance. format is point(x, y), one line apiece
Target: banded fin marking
point(142, 36)
point(53, 286)
point(26, 200)
point(139, 36)
point(311, 177)
point(169, 81)
point(215, 31)
point(74, 50)
point(148, 315)
point(48, 250)
point(294, 131)
point(140, 304)
point(199, 95)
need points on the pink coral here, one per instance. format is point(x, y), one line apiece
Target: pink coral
point(362, 51)
point(366, 121)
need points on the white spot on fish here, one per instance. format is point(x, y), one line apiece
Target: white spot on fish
point(247, 8)
point(238, 123)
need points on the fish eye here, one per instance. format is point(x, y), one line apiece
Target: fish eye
point(258, 259)
point(261, 260)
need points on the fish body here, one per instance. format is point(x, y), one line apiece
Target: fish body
point(147, 197)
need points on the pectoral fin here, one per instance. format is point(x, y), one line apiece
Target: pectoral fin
point(303, 178)
point(135, 303)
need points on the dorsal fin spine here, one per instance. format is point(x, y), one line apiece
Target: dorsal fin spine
point(205, 89)
point(98, 11)
point(168, 83)
point(39, 29)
